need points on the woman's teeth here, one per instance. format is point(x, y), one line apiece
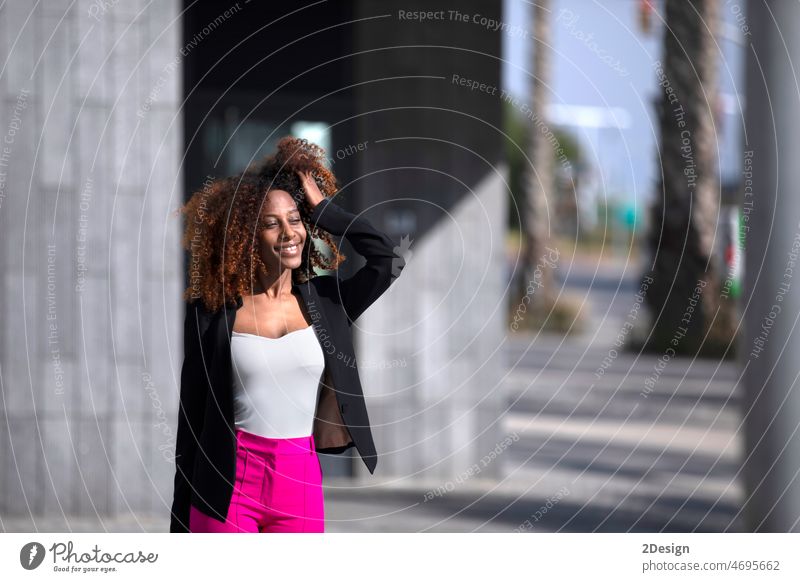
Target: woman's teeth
point(288, 251)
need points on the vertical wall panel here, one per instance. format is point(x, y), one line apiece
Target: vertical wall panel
point(81, 228)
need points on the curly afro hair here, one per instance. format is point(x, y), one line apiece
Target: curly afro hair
point(224, 216)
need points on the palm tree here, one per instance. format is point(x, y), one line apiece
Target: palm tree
point(538, 183)
point(685, 211)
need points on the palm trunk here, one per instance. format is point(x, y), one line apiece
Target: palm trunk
point(684, 295)
point(537, 213)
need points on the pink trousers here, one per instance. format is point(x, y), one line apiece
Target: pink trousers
point(278, 488)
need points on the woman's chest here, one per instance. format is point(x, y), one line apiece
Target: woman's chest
point(271, 319)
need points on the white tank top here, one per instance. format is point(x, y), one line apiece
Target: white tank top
point(276, 382)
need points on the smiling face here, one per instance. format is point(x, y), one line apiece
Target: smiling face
point(283, 235)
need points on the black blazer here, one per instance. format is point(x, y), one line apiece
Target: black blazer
point(205, 448)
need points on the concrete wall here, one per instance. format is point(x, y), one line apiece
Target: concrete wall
point(91, 262)
point(432, 169)
point(429, 348)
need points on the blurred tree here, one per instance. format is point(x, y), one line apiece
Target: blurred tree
point(514, 127)
point(684, 215)
point(538, 184)
point(568, 205)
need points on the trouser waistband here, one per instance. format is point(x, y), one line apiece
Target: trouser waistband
point(290, 446)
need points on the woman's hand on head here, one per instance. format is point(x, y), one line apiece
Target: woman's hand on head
point(313, 194)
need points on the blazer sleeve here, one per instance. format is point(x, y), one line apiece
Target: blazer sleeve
point(384, 261)
point(191, 409)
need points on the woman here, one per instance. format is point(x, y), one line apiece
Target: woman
point(268, 378)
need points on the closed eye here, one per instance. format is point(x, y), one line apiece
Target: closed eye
point(293, 221)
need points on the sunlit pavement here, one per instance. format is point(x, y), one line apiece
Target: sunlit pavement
point(596, 452)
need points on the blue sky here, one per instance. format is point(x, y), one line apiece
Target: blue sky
point(604, 64)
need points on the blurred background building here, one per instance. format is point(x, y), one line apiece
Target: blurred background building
point(420, 155)
point(131, 107)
